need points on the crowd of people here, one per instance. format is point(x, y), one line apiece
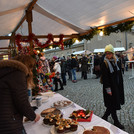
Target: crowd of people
point(16, 77)
point(109, 67)
point(67, 68)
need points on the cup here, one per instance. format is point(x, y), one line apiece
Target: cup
point(38, 101)
point(30, 95)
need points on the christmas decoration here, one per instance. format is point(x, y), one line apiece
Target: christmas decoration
point(126, 26)
point(31, 37)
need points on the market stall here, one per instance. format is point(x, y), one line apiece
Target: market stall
point(85, 52)
point(40, 128)
point(102, 50)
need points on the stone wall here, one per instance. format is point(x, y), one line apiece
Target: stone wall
point(116, 39)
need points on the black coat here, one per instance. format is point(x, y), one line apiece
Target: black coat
point(115, 82)
point(63, 67)
point(14, 102)
point(74, 63)
point(84, 64)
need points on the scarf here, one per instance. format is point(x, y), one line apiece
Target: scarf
point(109, 64)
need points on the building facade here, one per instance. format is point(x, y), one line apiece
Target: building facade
point(124, 39)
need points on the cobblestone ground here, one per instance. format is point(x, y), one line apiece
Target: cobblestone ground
point(88, 94)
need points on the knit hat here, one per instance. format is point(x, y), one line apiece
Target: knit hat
point(109, 48)
point(55, 57)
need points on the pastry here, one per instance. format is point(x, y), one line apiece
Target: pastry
point(97, 130)
point(50, 110)
point(60, 129)
point(74, 125)
point(62, 103)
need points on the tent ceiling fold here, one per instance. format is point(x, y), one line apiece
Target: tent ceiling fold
point(63, 16)
point(77, 16)
point(11, 14)
point(42, 11)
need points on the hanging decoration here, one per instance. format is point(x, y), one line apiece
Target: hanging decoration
point(126, 26)
point(31, 37)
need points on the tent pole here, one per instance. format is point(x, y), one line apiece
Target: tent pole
point(126, 39)
point(29, 19)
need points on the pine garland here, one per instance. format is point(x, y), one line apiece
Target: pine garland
point(126, 26)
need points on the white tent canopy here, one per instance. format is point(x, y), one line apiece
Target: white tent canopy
point(63, 16)
point(82, 52)
point(117, 49)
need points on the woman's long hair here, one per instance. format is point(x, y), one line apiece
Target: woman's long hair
point(29, 62)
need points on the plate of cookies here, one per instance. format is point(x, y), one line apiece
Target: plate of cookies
point(62, 104)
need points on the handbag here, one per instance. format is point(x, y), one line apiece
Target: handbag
point(97, 68)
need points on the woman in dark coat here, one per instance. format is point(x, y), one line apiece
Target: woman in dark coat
point(113, 90)
point(84, 66)
point(15, 77)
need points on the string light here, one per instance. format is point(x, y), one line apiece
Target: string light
point(38, 51)
point(76, 41)
point(51, 47)
point(101, 33)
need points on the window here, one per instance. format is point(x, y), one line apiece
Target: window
point(118, 43)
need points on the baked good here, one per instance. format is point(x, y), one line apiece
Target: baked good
point(57, 123)
point(81, 115)
point(52, 121)
point(60, 129)
point(74, 125)
point(62, 103)
point(101, 129)
point(50, 110)
point(97, 130)
point(67, 126)
point(46, 119)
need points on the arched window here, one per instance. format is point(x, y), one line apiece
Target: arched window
point(118, 43)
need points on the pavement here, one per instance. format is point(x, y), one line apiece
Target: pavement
point(88, 94)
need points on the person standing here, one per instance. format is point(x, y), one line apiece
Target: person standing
point(68, 68)
point(84, 66)
point(74, 65)
point(63, 70)
point(57, 69)
point(97, 63)
point(113, 89)
point(15, 79)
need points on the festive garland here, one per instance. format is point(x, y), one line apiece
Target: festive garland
point(31, 37)
point(126, 26)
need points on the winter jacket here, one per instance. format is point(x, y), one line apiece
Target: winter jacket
point(68, 65)
point(63, 66)
point(74, 63)
point(84, 64)
point(57, 67)
point(13, 97)
point(115, 82)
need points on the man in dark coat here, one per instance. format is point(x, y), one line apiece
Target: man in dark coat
point(14, 102)
point(113, 90)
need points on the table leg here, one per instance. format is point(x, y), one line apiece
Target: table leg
point(132, 72)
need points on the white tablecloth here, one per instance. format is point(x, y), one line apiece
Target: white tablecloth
point(132, 61)
point(38, 128)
